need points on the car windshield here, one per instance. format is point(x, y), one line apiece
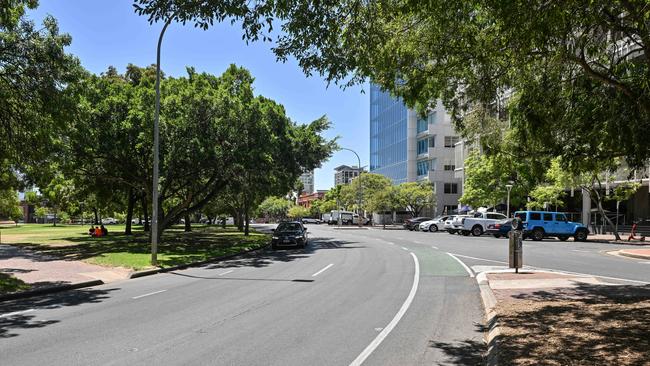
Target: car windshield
point(521, 215)
point(289, 226)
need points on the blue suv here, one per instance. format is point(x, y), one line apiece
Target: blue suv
point(540, 224)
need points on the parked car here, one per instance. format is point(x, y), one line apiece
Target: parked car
point(109, 221)
point(309, 220)
point(413, 223)
point(433, 225)
point(457, 225)
point(500, 229)
point(289, 234)
point(478, 222)
point(540, 224)
point(448, 226)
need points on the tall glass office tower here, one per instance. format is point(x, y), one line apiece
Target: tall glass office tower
point(388, 130)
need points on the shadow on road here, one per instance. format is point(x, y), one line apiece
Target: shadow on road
point(467, 352)
point(27, 309)
point(586, 325)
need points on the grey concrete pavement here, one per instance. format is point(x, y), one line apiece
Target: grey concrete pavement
point(320, 306)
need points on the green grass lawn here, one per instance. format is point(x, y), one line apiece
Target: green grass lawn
point(9, 283)
point(132, 251)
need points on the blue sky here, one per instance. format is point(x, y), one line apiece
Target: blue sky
point(108, 32)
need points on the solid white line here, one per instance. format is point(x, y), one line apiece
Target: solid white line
point(322, 270)
point(561, 271)
point(434, 247)
point(405, 248)
point(581, 251)
point(405, 306)
point(223, 273)
point(471, 274)
point(16, 313)
point(149, 294)
point(418, 242)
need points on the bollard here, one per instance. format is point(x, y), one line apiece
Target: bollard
point(515, 245)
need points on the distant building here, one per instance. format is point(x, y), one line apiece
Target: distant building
point(406, 147)
point(305, 200)
point(344, 174)
point(307, 180)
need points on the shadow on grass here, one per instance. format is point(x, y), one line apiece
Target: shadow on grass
point(11, 324)
point(586, 325)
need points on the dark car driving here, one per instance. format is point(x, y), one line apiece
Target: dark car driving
point(289, 234)
point(414, 223)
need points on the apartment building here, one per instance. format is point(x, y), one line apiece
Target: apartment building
point(307, 180)
point(407, 147)
point(345, 173)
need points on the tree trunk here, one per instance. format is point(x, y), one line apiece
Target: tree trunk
point(54, 218)
point(96, 216)
point(129, 212)
point(145, 213)
point(223, 222)
point(188, 225)
point(598, 201)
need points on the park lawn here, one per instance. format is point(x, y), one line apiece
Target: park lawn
point(176, 247)
point(9, 283)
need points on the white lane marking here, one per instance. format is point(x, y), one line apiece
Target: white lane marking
point(561, 271)
point(390, 243)
point(481, 259)
point(384, 333)
point(149, 294)
point(645, 262)
point(322, 270)
point(16, 313)
point(434, 247)
point(405, 248)
point(224, 273)
point(418, 242)
point(471, 274)
point(581, 251)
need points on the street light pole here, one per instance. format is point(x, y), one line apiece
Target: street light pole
point(509, 187)
point(360, 193)
point(156, 151)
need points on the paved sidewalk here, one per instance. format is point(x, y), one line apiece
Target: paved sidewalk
point(42, 271)
point(550, 318)
point(635, 253)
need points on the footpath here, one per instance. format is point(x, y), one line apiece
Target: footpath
point(553, 318)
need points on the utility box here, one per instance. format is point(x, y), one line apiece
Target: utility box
point(515, 254)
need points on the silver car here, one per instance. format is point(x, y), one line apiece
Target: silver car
point(434, 225)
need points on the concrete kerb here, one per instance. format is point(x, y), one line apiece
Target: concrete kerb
point(49, 290)
point(491, 319)
point(630, 255)
point(149, 272)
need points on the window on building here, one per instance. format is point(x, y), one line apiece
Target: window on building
point(451, 188)
point(422, 125)
point(432, 141)
point(432, 117)
point(450, 209)
point(423, 167)
point(450, 167)
point(450, 141)
point(423, 146)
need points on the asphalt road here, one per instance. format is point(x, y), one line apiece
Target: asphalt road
point(353, 296)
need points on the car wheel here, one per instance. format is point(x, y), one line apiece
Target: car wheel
point(465, 232)
point(477, 230)
point(581, 235)
point(496, 235)
point(538, 234)
point(433, 228)
point(452, 232)
point(563, 237)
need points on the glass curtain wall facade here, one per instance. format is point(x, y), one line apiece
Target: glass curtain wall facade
point(388, 127)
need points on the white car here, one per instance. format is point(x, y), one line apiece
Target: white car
point(448, 225)
point(478, 223)
point(309, 220)
point(434, 225)
point(109, 221)
point(456, 225)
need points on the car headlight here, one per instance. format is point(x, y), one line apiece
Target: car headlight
point(275, 237)
point(299, 236)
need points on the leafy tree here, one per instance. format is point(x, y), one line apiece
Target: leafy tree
point(275, 208)
point(37, 91)
point(551, 194)
point(297, 212)
point(370, 184)
point(416, 196)
point(57, 194)
point(9, 205)
point(41, 212)
point(387, 199)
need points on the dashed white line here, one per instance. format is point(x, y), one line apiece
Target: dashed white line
point(322, 270)
point(581, 251)
point(434, 247)
point(405, 248)
point(471, 274)
point(384, 333)
point(16, 313)
point(149, 294)
point(224, 273)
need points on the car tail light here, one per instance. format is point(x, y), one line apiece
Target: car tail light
point(498, 226)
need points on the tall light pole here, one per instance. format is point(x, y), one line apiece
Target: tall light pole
point(156, 151)
point(360, 193)
point(509, 187)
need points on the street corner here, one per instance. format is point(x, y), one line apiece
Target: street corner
point(632, 253)
point(564, 318)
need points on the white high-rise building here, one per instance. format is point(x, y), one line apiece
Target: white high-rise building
point(307, 180)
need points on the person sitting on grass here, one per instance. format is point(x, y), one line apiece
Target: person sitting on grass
point(104, 231)
point(98, 232)
point(91, 231)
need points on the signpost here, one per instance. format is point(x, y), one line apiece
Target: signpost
point(516, 249)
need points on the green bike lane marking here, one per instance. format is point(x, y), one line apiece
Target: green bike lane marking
point(437, 263)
